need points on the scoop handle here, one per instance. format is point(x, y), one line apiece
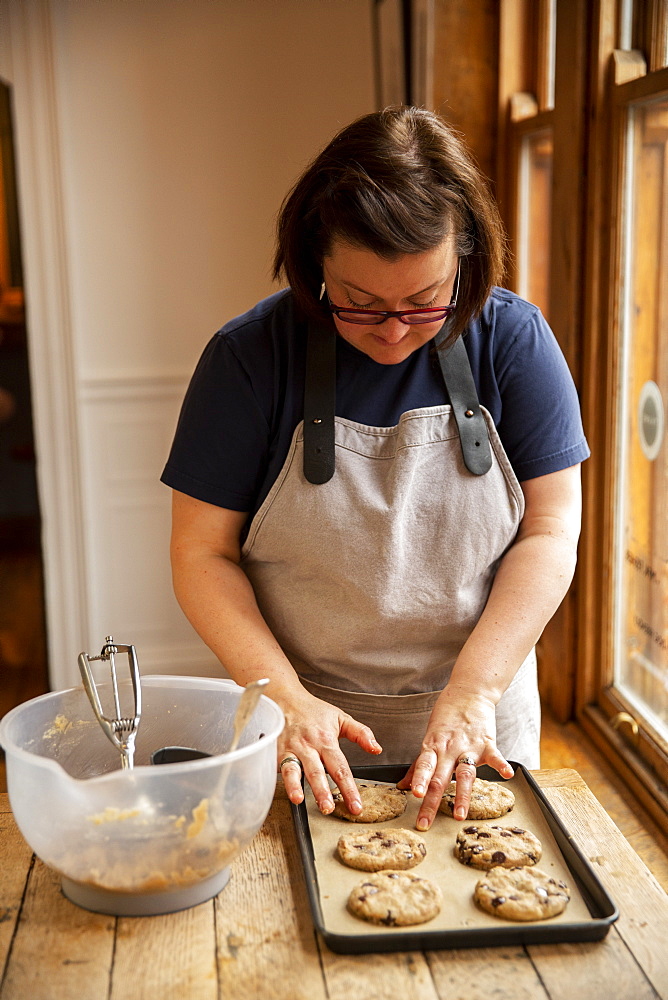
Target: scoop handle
point(245, 709)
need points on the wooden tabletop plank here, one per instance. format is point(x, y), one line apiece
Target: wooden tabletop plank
point(171, 956)
point(602, 970)
point(266, 941)
point(17, 858)
point(404, 975)
point(642, 903)
point(505, 973)
point(60, 951)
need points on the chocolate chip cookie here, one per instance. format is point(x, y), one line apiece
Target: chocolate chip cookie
point(395, 899)
point(379, 803)
point(489, 799)
point(488, 845)
point(521, 894)
point(375, 850)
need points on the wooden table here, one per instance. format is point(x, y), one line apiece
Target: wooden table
point(256, 941)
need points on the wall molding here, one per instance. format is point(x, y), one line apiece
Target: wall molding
point(122, 384)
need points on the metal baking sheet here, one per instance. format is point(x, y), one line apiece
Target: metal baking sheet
point(461, 924)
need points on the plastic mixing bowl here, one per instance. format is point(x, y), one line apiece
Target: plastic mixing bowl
point(151, 839)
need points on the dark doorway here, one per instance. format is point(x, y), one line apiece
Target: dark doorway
point(23, 658)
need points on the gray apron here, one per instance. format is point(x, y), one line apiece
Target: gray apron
point(373, 577)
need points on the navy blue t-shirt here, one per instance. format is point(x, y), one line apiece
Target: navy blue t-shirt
point(247, 395)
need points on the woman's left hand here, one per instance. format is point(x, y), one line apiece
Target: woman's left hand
point(460, 736)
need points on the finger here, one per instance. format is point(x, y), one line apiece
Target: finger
point(465, 774)
point(291, 773)
point(357, 733)
point(423, 769)
point(499, 763)
point(407, 778)
point(339, 770)
point(314, 772)
point(433, 796)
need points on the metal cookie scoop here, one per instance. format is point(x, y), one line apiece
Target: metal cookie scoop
point(120, 730)
point(242, 716)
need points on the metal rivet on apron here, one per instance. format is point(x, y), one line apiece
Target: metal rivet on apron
point(317, 420)
point(469, 413)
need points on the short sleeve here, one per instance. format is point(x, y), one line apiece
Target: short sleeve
point(540, 422)
point(219, 451)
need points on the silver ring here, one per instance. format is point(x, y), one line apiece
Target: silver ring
point(465, 759)
point(289, 759)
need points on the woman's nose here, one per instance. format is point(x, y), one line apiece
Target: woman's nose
point(393, 330)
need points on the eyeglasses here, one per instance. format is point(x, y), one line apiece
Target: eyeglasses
point(412, 317)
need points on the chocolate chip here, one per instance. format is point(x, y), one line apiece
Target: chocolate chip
point(470, 829)
point(517, 829)
point(498, 856)
point(389, 920)
point(540, 891)
point(392, 875)
point(483, 834)
point(388, 843)
point(498, 900)
point(422, 849)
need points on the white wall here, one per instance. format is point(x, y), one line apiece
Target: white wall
point(156, 140)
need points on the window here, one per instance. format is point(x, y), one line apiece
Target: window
point(624, 695)
point(641, 520)
point(534, 218)
point(583, 183)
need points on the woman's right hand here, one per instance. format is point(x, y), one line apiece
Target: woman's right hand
point(312, 732)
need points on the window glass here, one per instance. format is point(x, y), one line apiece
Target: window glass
point(535, 213)
point(641, 579)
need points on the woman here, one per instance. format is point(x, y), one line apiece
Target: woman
point(348, 520)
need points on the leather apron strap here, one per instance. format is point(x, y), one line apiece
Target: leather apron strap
point(458, 378)
point(320, 404)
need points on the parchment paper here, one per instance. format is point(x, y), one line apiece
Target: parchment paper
point(457, 881)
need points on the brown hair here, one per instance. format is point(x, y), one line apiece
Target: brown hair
point(394, 182)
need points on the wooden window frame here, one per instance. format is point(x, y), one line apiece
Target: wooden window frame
point(595, 84)
point(633, 747)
